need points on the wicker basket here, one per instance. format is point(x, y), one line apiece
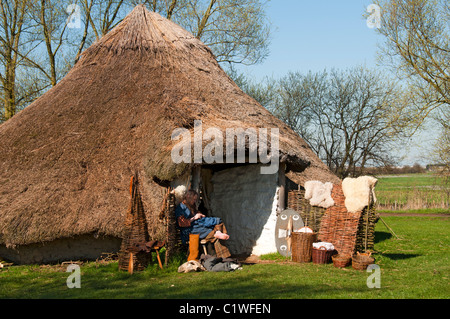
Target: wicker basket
point(341, 261)
point(321, 255)
point(362, 261)
point(302, 245)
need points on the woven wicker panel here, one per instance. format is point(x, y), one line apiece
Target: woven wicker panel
point(174, 243)
point(311, 215)
point(135, 231)
point(365, 237)
point(338, 225)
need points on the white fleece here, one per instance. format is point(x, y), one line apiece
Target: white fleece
point(319, 194)
point(357, 191)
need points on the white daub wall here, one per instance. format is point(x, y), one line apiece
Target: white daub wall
point(247, 202)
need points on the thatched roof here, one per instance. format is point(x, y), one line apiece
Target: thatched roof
point(66, 160)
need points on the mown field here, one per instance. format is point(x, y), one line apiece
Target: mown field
point(425, 191)
point(415, 266)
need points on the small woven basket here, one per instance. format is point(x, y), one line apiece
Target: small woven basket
point(341, 261)
point(302, 245)
point(362, 261)
point(321, 255)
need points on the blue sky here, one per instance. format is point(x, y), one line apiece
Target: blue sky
point(326, 34)
point(314, 35)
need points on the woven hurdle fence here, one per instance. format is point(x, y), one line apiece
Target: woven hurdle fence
point(311, 215)
point(349, 232)
point(365, 236)
point(135, 231)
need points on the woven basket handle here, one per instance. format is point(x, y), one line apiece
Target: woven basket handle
point(324, 248)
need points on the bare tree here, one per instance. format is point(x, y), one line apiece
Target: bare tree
point(103, 15)
point(238, 31)
point(417, 48)
point(349, 117)
point(87, 9)
point(12, 25)
point(441, 154)
point(51, 21)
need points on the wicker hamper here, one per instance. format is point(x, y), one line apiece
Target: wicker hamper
point(321, 255)
point(302, 245)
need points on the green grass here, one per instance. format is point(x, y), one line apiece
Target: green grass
point(416, 266)
point(406, 180)
point(412, 191)
point(430, 211)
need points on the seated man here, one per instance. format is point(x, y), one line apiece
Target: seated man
point(190, 221)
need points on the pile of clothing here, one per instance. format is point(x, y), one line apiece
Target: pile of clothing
point(210, 263)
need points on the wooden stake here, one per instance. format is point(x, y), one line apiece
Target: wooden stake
point(159, 259)
point(131, 264)
point(389, 228)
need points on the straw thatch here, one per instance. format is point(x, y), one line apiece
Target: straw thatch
point(66, 160)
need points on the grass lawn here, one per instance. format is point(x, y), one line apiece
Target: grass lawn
point(416, 266)
point(412, 191)
point(430, 211)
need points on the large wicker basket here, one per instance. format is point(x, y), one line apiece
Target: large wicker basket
point(361, 261)
point(302, 245)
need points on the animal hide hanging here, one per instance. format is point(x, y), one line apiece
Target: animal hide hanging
point(319, 194)
point(179, 193)
point(358, 191)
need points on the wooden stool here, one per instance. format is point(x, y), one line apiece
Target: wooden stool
point(146, 247)
point(156, 249)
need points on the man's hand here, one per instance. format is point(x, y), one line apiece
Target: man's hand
point(199, 216)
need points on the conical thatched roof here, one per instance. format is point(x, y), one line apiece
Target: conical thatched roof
point(66, 160)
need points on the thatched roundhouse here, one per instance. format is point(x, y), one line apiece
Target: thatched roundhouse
point(66, 160)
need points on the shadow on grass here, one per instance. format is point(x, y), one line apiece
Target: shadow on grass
point(382, 236)
point(399, 256)
point(250, 287)
point(252, 282)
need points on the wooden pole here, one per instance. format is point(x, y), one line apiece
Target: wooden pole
point(389, 228)
point(131, 264)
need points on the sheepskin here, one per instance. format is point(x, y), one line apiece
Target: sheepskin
point(357, 191)
point(319, 194)
point(179, 192)
point(191, 266)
